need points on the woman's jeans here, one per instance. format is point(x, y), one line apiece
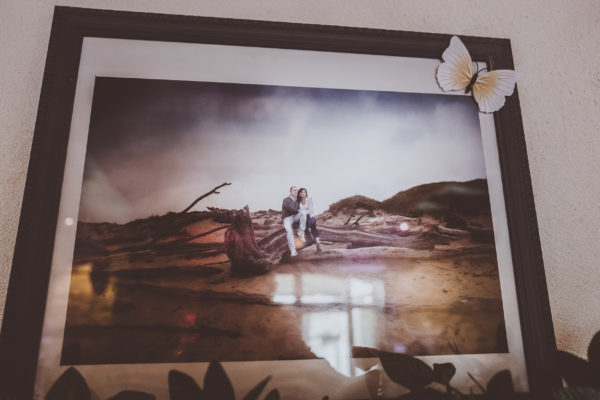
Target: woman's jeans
point(311, 222)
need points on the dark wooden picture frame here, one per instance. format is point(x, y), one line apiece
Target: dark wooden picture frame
point(28, 287)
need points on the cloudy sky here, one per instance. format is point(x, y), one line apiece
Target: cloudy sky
point(155, 145)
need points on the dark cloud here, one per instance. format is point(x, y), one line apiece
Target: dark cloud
point(154, 145)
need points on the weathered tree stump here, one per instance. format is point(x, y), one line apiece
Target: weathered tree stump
point(241, 247)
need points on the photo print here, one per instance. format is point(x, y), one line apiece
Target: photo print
point(181, 253)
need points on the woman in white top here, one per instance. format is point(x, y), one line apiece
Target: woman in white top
point(306, 208)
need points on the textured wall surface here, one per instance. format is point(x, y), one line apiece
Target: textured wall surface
point(556, 51)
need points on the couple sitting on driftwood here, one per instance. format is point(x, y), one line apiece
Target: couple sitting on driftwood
point(298, 208)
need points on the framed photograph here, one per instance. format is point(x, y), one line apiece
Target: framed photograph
point(286, 200)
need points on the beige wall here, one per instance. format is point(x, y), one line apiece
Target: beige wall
point(556, 47)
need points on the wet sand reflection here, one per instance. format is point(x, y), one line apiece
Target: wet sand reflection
point(300, 311)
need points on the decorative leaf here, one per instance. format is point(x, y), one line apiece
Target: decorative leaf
point(372, 380)
point(132, 395)
point(365, 358)
point(576, 393)
point(476, 382)
point(216, 383)
point(273, 395)
point(500, 387)
point(443, 373)
point(593, 354)
point(575, 370)
point(364, 352)
point(406, 370)
point(257, 390)
point(424, 394)
point(183, 387)
point(69, 386)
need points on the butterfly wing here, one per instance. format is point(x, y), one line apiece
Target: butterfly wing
point(456, 71)
point(490, 88)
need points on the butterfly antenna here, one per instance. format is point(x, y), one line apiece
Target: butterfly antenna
point(482, 69)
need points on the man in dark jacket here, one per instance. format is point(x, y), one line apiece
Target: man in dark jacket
point(290, 214)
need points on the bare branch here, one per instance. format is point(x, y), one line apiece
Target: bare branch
point(205, 195)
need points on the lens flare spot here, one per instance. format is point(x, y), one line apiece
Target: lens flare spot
point(399, 348)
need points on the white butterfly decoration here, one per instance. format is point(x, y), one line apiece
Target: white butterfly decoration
point(458, 72)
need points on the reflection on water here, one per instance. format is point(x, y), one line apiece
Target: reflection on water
point(326, 333)
point(299, 311)
point(405, 307)
point(89, 282)
point(346, 312)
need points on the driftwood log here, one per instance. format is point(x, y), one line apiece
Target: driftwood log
point(251, 257)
